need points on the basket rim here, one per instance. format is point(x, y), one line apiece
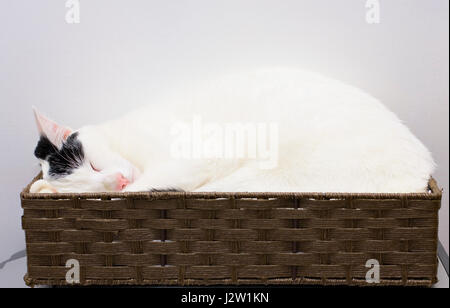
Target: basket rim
point(434, 193)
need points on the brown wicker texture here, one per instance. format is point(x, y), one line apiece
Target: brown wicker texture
point(232, 238)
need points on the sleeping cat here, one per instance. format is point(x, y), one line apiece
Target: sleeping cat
point(268, 130)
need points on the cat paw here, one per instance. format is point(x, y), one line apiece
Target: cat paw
point(42, 187)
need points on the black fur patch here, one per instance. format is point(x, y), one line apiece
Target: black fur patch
point(166, 190)
point(44, 148)
point(62, 161)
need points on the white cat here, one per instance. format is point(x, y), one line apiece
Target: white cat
point(294, 131)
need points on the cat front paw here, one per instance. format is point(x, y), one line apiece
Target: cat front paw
point(42, 187)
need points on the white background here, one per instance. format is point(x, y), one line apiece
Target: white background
point(123, 52)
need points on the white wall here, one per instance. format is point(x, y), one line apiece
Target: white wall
point(123, 52)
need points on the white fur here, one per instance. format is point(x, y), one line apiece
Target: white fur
point(332, 137)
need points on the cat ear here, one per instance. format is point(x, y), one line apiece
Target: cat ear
point(56, 133)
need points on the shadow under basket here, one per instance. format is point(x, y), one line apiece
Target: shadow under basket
point(232, 238)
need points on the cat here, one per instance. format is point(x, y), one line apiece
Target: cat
point(294, 131)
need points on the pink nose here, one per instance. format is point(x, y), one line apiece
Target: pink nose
point(122, 182)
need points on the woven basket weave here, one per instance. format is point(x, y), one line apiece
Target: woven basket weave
point(232, 238)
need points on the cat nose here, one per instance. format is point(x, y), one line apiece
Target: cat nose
point(122, 181)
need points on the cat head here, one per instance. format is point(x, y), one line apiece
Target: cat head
point(79, 161)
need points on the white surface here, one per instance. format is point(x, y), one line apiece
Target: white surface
point(122, 53)
point(443, 278)
point(11, 276)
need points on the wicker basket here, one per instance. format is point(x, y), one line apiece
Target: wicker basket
point(232, 238)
